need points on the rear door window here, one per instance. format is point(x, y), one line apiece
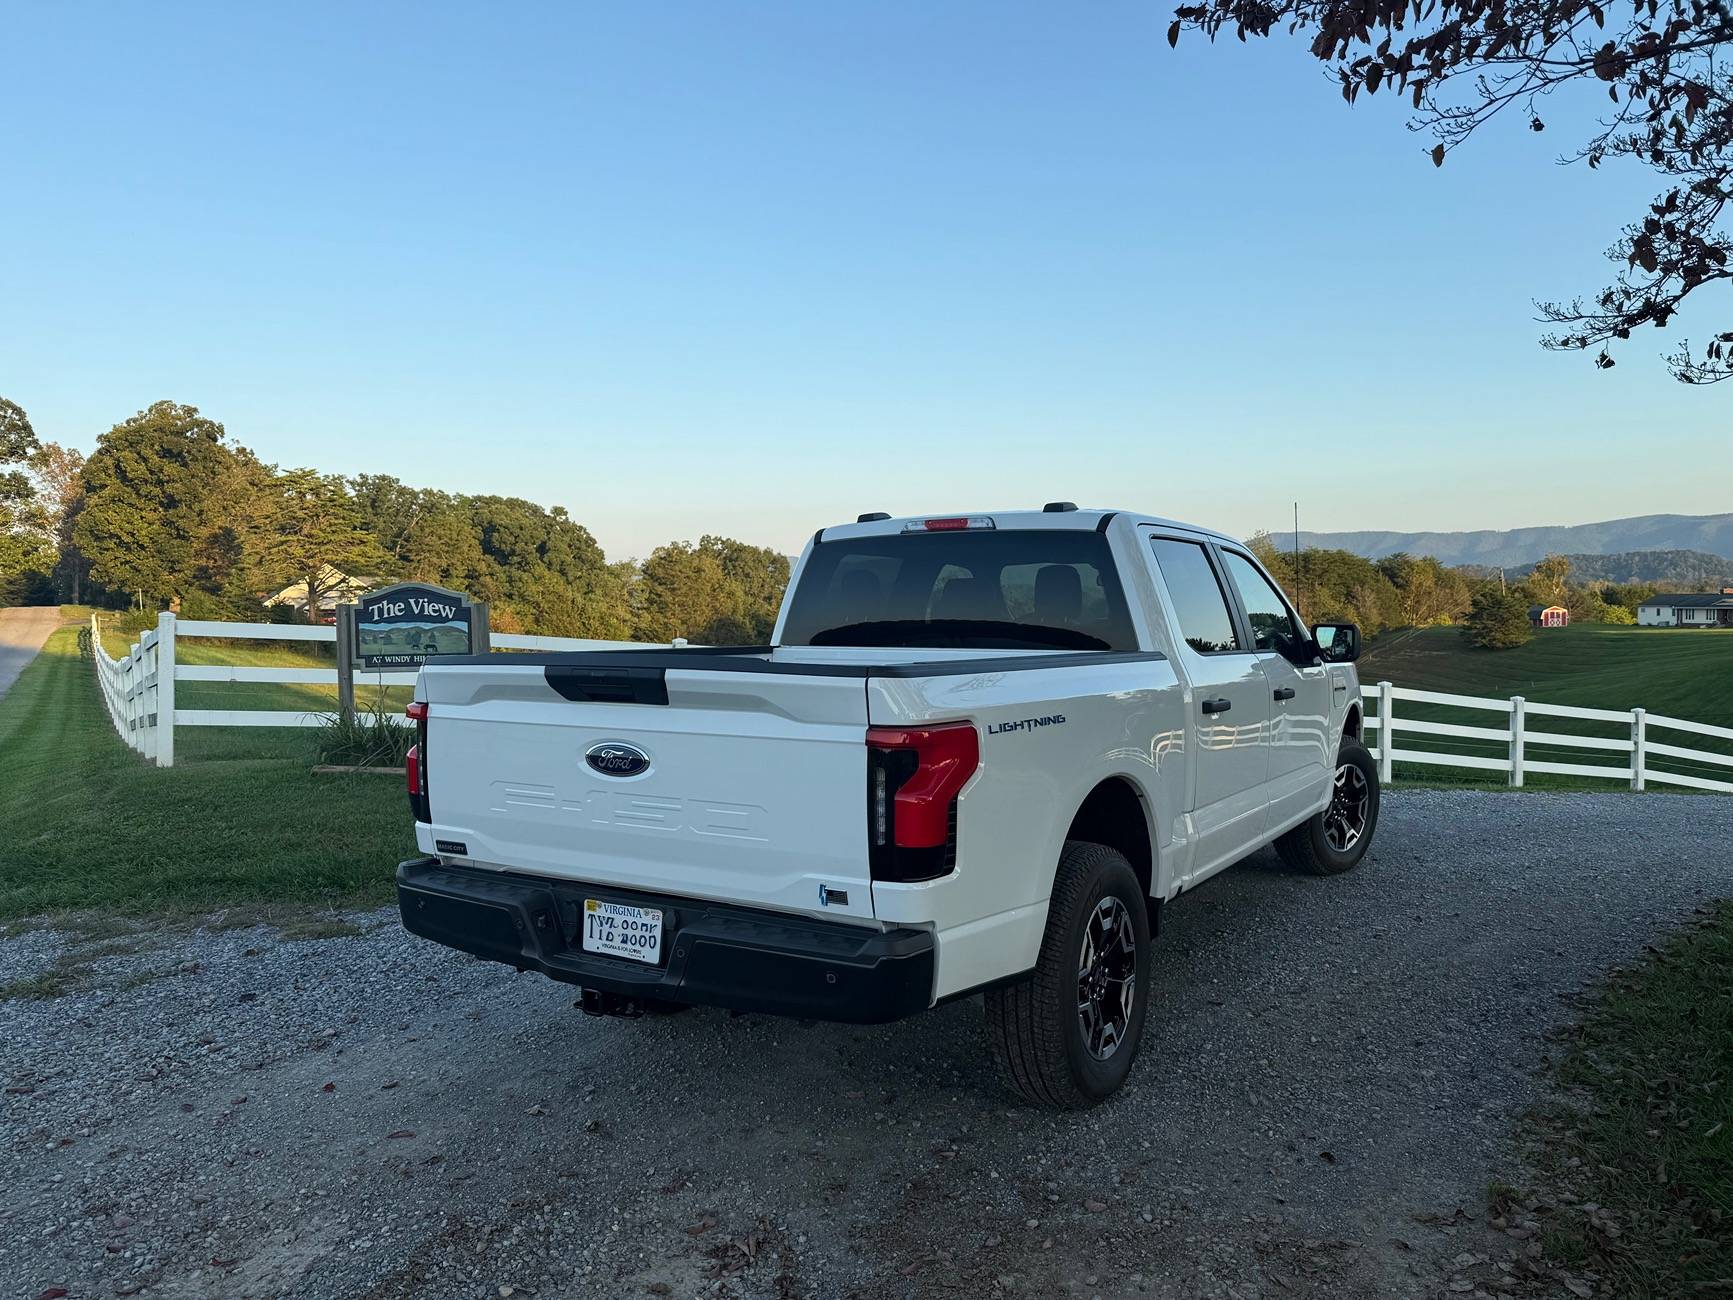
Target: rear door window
point(1199, 604)
point(1021, 589)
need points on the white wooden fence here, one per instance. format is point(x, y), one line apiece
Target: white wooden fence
point(139, 689)
point(1515, 729)
point(140, 693)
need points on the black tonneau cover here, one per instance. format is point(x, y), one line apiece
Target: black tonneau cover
point(756, 659)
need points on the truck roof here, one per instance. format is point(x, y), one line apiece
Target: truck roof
point(1075, 518)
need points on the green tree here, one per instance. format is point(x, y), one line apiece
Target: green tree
point(1498, 620)
point(1617, 615)
point(444, 547)
point(1549, 583)
point(1427, 593)
point(1332, 586)
point(1629, 594)
point(682, 591)
point(149, 499)
point(393, 511)
point(719, 592)
point(308, 530)
point(759, 574)
point(538, 568)
point(23, 537)
point(58, 473)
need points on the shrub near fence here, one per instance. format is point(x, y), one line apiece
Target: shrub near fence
point(139, 687)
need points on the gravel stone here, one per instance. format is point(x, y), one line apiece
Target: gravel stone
point(1329, 1080)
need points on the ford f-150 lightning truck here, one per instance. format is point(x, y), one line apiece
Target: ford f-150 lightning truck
point(980, 754)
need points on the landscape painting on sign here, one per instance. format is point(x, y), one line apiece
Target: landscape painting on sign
point(448, 638)
point(402, 626)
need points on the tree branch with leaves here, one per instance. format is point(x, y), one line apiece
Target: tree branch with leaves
point(1461, 63)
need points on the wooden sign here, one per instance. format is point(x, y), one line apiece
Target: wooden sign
point(406, 625)
point(401, 627)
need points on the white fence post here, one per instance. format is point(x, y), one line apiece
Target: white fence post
point(1516, 715)
point(133, 694)
point(149, 679)
point(1386, 731)
point(165, 690)
point(101, 675)
point(1639, 747)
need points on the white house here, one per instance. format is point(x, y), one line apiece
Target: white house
point(1680, 609)
point(335, 587)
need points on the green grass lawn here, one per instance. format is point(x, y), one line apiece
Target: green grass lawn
point(1680, 673)
point(1635, 1173)
point(1686, 673)
point(240, 820)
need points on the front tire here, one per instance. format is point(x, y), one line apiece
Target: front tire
point(1334, 840)
point(1066, 1036)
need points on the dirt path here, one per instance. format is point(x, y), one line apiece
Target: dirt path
point(23, 629)
point(1330, 1081)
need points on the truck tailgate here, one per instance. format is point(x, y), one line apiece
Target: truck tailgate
point(754, 791)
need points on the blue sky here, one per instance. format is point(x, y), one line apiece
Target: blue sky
point(753, 268)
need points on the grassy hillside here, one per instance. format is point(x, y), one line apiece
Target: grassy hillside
point(1686, 673)
point(1681, 673)
point(240, 819)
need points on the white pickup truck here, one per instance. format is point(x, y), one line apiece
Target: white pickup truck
point(980, 754)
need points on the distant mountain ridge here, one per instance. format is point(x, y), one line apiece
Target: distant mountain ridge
point(1674, 568)
point(1712, 534)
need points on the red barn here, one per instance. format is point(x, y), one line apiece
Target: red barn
point(1549, 616)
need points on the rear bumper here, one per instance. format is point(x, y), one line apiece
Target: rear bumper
point(714, 954)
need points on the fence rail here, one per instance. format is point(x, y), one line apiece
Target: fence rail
point(1636, 748)
point(139, 688)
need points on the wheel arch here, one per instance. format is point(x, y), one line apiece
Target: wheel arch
point(1116, 813)
point(1354, 724)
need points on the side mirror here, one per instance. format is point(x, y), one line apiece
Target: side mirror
point(1338, 643)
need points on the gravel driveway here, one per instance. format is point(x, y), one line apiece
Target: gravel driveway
point(1331, 1074)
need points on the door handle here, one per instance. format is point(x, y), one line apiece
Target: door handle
point(1217, 705)
point(1284, 692)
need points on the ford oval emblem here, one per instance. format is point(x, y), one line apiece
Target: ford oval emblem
point(616, 758)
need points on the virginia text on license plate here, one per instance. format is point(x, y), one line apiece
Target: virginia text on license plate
point(621, 930)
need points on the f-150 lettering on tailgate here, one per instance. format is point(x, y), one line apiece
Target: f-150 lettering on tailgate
point(734, 821)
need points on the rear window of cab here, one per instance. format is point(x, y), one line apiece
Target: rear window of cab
point(1020, 589)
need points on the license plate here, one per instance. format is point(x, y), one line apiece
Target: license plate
point(621, 930)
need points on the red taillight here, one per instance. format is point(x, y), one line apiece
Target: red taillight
point(415, 762)
point(945, 525)
point(914, 775)
point(945, 757)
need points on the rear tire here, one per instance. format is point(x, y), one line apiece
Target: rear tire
point(1334, 840)
point(1067, 1035)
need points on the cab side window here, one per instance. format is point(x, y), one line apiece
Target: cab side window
point(1273, 626)
point(1198, 601)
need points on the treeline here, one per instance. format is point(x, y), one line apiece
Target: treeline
point(1418, 591)
point(169, 510)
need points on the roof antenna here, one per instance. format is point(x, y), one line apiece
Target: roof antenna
point(1299, 595)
